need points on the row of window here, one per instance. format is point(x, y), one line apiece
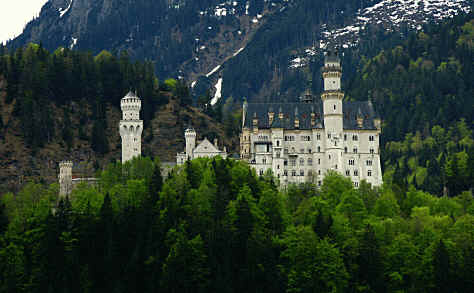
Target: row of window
point(352, 162)
point(356, 173)
point(355, 137)
point(310, 172)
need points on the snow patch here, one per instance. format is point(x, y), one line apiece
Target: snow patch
point(193, 84)
point(213, 71)
point(62, 12)
point(218, 93)
point(238, 51)
point(74, 42)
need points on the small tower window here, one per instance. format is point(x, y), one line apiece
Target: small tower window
point(334, 107)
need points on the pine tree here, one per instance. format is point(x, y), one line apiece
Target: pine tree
point(441, 269)
point(371, 269)
point(156, 183)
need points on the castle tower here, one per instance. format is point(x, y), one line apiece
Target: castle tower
point(65, 178)
point(332, 108)
point(190, 136)
point(131, 127)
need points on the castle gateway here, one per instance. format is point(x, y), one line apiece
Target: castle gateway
point(301, 142)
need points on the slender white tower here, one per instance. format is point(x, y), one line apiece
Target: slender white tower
point(190, 136)
point(131, 127)
point(332, 107)
point(65, 178)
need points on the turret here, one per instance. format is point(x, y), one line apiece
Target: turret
point(131, 126)
point(271, 116)
point(190, 136)
point(332, 95)
point(297, 119)
point(65, 178)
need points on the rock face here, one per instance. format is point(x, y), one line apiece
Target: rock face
point(261, 49)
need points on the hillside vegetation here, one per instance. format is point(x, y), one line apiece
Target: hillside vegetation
point(424, 90)
point(66, 105)
point(214, 226)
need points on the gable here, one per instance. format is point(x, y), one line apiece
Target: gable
point(206, 147)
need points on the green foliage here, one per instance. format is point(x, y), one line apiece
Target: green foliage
point(215, 226)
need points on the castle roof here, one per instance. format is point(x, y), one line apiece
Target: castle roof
point(130, 94)
point(303, 111)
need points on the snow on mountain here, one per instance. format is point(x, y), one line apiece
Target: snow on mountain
point(390, 14)
point(63, 11)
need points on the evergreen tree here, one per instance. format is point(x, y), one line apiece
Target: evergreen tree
point(441, 269)
point(371, 273)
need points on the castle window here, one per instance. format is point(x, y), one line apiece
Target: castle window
point(261, 172)
point(371, 138)
point(278, 154)
point(345, 149)
point(329, 135)
point(335, 143)
point(310, 162)
point(264, 161)
point(371, 151)
point(319, 149)
point(351, 162)
point(278, 166)
point(356, 184)
point(355, 138)
point(293, 173)
point(278, 143)
point(356, 173)
point(285, 163)
point(319, 183)
point(319, 161)
point(329, 157)
point(305, 138)
point(292, 162)
point(301, 172)
point(369, 162)
point(318, 136)
point(309, 151)
point(285, 173)
point(301, 162)
point(345, 137)
point(369, 173)
point(348, 173)
point(334, 107)
point(319, 172)
point(354, 150)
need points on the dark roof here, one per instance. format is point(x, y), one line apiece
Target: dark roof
point(303, 111)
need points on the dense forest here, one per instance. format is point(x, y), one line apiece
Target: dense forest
point(214, 226)
point(423, 89)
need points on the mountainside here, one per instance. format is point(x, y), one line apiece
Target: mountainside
point(238, 49)
point(65, 105)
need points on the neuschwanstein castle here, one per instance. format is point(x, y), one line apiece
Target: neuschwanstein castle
point(299, 142)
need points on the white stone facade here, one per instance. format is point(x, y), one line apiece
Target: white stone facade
point(204, 149)
point(131, 127)
point(301, 142)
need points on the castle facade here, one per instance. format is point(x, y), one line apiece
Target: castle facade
point(204, 148)
point(301, 142)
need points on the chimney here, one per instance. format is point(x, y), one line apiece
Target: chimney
point(255, 120)
point(360, 119)
point(271, 115)
point(280, 113)
point(297, 119)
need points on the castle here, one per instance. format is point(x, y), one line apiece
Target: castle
point(130, 127)
point(204, 149)
point(301, 142)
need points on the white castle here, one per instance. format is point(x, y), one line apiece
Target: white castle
point(130, 127)
point(204, 149)
point(301, 142)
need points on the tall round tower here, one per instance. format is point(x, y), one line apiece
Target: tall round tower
point(65, 178)
point(131, 127)
point(190, 136)
point(332, 109)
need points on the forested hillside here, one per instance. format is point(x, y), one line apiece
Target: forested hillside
point(214, 226)
point(424, 90)
point(65, 105)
